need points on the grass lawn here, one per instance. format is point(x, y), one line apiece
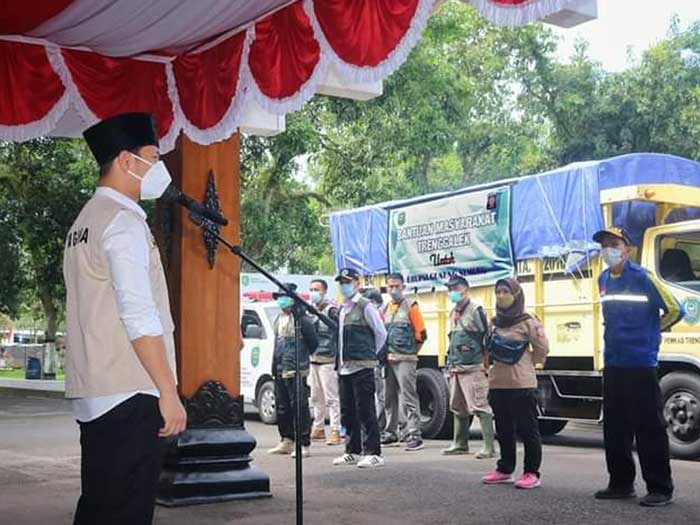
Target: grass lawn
point(18, 373)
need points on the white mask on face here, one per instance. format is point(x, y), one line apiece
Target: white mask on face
point(154, 182)
point(611, 256)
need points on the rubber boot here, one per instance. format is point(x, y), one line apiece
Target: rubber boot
point(460, 443)
point(486, 422)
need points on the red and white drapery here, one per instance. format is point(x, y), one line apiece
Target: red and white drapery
point(65, 64)
point(517, 12)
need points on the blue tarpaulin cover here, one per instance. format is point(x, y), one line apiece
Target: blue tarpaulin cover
point(553, 213)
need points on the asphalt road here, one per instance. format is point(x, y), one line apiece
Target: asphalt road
point(40, 481)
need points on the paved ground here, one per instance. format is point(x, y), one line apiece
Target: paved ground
point(39, 482)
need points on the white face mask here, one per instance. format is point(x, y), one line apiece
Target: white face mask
point(154, 182)
point(612, 256)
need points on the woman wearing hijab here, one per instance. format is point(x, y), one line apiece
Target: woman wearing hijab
point(517, 343)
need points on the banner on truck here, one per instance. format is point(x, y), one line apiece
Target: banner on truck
point(466, 234)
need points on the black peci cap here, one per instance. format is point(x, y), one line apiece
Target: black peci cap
point(127, 131)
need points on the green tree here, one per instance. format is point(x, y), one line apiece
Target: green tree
point(652, 106)
point(280, 211)
point(43, 186)
point(449, 117)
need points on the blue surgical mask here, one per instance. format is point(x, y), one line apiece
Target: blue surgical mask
point(285, 302)
point(316, 296)
point(455, 296)
point(612, 256)
point(347, 290)
point(396, 293)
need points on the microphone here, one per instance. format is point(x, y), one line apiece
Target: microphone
point(172, 194)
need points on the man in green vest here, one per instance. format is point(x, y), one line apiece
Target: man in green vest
point(284, 373)
point(405, 335)
point(467, 365)
point(362, 336)
point(374, 295)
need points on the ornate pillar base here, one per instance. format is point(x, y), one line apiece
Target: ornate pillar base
point(210, 461)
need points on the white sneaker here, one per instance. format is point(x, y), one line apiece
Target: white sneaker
point(371, 462)
point(305, 452)
point(346, 459)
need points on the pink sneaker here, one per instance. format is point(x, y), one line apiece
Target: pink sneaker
point(528, 481)
point(495, 478)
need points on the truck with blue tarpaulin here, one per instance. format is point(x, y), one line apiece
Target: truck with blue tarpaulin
point(539, 228)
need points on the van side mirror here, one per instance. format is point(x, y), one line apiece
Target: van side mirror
point(253, 331)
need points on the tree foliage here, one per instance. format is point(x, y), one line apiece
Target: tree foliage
point(43, 185)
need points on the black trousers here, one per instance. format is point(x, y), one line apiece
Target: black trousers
point(358, 412)
point(633, 410)
point(285, 403)
point(121, 459)
point(516, 410)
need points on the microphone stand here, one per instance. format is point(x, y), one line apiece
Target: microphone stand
point(299, 309)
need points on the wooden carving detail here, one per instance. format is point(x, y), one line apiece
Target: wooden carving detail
point(212, 406)
point(211, 201)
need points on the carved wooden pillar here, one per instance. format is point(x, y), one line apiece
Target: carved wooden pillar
point(210, 461)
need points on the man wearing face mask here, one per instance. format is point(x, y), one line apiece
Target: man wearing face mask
point(467, 365)
point(120, 360)
point(632, 299)
point(362, 335)
point(405, 335)
point(374, 295)
point(284, 374)
point(324, 378)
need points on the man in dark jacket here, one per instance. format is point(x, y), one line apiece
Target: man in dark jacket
point(632, 299)
point(284, 373)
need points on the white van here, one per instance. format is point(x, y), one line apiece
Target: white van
point(257, 385)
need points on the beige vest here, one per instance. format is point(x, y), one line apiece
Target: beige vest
point(100, 359)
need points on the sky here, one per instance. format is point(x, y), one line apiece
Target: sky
point(623, 24)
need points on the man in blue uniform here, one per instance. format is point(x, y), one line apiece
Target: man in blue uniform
point(633, 300)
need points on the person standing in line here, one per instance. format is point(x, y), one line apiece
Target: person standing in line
point(632, 300)
point(324, 378)
point(374, 295)
point(467, 366)
point(516, 344)
point(284, 374)
point(362, 335)
point(405, 336)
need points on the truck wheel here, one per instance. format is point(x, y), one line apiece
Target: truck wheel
point(265, 402)
point(433, 397)
point(551, 427)
point(681, 395)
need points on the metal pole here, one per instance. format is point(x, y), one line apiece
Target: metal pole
point(298, 383)
point(298, 311)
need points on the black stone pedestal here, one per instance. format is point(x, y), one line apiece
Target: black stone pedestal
point(210, 461)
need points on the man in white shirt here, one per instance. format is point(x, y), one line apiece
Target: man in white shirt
point(120, 367)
